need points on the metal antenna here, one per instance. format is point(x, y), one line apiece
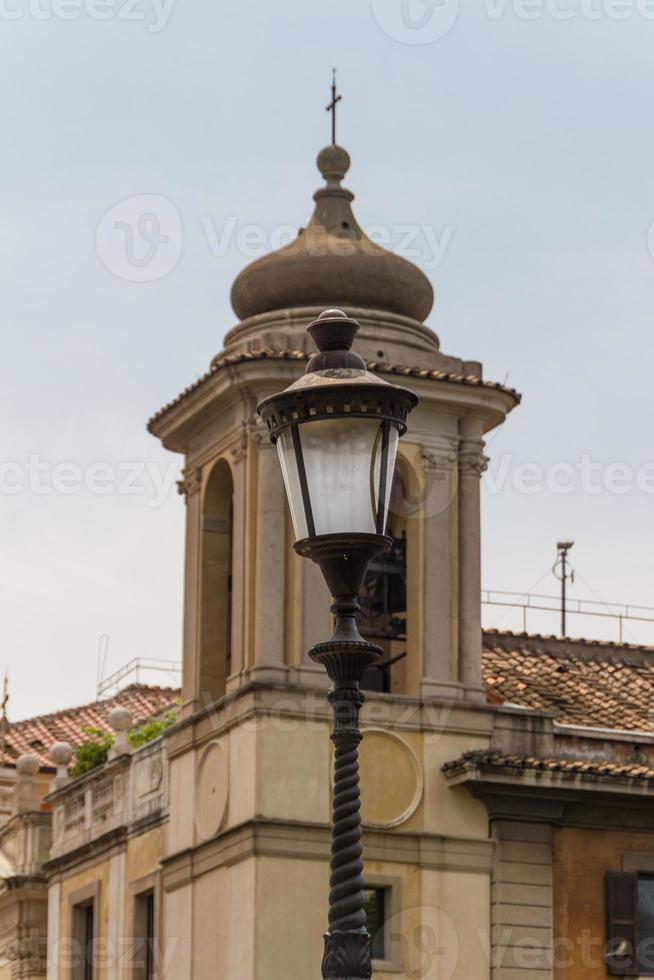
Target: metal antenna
point(103, 649)
point(563, 573)
point(4, 720)
point(332, 105)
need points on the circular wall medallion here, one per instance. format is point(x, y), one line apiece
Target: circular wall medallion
point(211, 791)
point(391, 779)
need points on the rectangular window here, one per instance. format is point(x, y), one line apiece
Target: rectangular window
point(375, 908)
point(630, 923)
point(84, 936)
point(89, 929)
point(646, 923)
point(144, 937)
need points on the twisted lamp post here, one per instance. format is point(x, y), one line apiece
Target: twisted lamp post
point(336, 430)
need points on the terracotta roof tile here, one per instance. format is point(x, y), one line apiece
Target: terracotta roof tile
point(36, 735)
point(580, 682)
point(496, 760)
point(573, 680)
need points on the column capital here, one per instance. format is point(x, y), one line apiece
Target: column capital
point(472, 460)
point(252, 430)
point(438, 459)
point(259, 435)
point(239, 448)
point(191, 481)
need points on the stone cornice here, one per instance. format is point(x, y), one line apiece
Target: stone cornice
point(290, 839)
point(29, 885)
point(290, 325)
point(563, 780)
point(248, 375)
point(254, 702)
point(87, 854)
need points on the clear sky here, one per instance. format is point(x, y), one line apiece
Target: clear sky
point(513, 136)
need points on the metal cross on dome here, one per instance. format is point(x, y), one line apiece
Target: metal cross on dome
point(332, 105)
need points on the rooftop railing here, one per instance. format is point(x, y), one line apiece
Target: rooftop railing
point(520, 609)
point(140, 670)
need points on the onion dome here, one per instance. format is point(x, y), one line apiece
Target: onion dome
point(332, 262)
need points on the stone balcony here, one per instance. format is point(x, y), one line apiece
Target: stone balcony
point(128, 792)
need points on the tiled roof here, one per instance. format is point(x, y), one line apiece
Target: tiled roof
point(273, 354)
point(580, 682)
point(36, 735)
point(583, 767)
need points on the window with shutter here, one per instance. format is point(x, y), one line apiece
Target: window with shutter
point(646, 924)
point(622, 924)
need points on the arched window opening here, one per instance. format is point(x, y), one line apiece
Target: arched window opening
point(216, 584)
point(384, 602)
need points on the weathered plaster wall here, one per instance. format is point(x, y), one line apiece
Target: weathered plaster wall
point(289, 945)
point(143, 855)
point(581, 858)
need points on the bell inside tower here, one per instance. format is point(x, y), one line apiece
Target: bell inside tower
point(384, 601)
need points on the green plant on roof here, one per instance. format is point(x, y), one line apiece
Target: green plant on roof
point(94, 750)
point(152, 728)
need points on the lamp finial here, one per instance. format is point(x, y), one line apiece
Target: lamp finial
point(333, 334)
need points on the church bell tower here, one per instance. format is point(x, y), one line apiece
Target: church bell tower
point(250, 760)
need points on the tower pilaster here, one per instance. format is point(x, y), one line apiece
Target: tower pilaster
point(439, 672)
point(270, 565)
point(471, 464)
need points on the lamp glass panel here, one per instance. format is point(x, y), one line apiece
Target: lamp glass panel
point(338, 458)
point(393, 438)
point(342, 460)
point(290, 472)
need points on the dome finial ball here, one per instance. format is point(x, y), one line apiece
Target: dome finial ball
point(333, 162)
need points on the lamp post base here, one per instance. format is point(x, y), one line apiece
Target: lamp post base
point(347, 956)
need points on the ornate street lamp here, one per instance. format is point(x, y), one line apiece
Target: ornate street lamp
point(336, 430)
